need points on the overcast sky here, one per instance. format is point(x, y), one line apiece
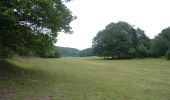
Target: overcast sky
point(93, 15)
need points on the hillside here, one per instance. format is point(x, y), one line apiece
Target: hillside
point(66, 51)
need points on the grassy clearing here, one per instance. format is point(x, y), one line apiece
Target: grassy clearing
point(84, 79)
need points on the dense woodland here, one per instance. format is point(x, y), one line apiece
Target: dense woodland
point(121, 41)
point(30, 28)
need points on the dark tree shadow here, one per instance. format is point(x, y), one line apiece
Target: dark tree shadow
point(9, 70)
point(14, 78)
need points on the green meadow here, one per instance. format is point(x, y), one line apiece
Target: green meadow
point(88, 78)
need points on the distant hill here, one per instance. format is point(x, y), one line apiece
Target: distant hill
point(66, 51)
point(87, 52)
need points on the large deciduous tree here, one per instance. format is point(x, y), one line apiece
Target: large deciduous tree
point(120, 40)
point(31, 26)
point(161, 44)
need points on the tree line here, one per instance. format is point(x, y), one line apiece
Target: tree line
point(30, 28)
point(122, 41)
point(68, 52)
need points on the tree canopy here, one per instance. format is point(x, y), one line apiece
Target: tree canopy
point(87, 52)
point(31, 26)
point(161, 44)
point(120, 40)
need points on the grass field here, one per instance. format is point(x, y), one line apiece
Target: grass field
point(84, 79)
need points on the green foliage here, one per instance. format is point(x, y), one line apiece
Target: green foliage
point(54, 53)
point(120, 40)
point(28, 25)
point(5, 53)
point(86, 52)
point(132, 52)
point(66, 51)
point(142, 38)
point(166, 35)
point(161, 43)
point(159, 47)
point(168, 54)
point(48, 52)
point(142, 51)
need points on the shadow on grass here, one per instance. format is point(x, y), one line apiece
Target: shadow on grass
point(9, 70)
point(15, 79)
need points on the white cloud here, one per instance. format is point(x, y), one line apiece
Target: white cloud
point(93, 15)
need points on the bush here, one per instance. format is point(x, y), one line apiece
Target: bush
point(132, 53)
point(53, 53)
point(5, 53)
point(142, 51)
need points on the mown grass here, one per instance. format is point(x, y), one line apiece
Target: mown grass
point(89, 78)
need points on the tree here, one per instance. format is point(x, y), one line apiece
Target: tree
point(158, 47)
point(143, 44)
point(114, 41)
point(168, 54)
point(121, 40)
point(26, 23)
point(98, 43)
point(165, 33)
point(142, 51)
point(161, 43)
point(86, 52)
point(142, 38)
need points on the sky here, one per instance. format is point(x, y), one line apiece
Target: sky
point(93, 15)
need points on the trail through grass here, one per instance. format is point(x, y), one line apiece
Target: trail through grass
point(88, 78)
